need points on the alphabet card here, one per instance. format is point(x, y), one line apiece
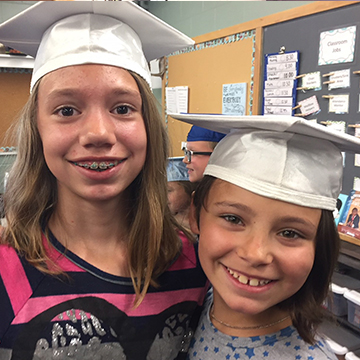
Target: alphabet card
point(337, 46)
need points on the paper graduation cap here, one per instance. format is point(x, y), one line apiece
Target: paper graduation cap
point(64, 33)
point(176, 170)
point(281, 157)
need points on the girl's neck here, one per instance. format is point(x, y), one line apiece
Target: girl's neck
point(97, 233)
point(235, 323)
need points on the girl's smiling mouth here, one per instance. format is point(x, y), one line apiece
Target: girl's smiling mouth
point(97, 165)
point(247, 280)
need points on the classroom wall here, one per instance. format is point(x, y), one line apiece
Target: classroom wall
point(11, 8)
point(192, 17)
point(196, 18)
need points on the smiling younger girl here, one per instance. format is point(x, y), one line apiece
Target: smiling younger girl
point(267, 239)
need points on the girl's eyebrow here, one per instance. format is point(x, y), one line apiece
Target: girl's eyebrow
point(59, 92)
point(73, 91)
point(235, 205)
point(299, 220)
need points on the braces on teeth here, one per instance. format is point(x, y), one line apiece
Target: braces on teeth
point(97, 166)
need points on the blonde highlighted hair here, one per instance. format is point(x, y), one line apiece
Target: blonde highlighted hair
point(31, 197)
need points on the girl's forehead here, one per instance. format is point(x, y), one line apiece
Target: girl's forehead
point(224, 193)
point(93, 80)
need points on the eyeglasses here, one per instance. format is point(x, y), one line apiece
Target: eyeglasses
point(189, 153)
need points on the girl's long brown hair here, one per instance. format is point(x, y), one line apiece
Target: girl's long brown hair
point(31, 197)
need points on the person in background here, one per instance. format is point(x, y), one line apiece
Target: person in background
point(267, 238)
point(179, 191)
point(91, 263)
point(200, 144)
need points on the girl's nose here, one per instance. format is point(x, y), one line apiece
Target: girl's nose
point(98, 130)
point(256, 250)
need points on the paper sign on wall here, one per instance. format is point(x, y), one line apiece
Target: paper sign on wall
point(177, 99)
point(337, 46)
point(357, 156)
point(283, 58)
point(280, 83)
point(311, 81)
point(277, 110)
point(273, 84)
point(339, 79)
point(234, 99)
point(357, 160)
point(278, 101)
point(336, 125)
point(356, 185)
point(339, 104)
point(309, 106)
point(278, 92)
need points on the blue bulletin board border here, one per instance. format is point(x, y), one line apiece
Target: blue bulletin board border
point(294, 91)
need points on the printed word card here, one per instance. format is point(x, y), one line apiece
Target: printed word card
point(337, 46)
point(310, 81)
point(309, 106)
point(339, 104)
point(339, 79)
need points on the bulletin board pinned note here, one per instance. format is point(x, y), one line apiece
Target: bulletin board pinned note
point(280, 82)
point(234, 99)
point(177, 99)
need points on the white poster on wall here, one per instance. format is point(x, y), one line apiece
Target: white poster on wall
point(337, 46)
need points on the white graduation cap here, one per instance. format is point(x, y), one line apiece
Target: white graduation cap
point(64, 33)
point(281, 157)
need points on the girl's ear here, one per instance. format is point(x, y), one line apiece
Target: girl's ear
point(192, 217)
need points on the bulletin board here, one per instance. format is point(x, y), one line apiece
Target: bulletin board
point(303, 34)
point(14, 93)
point(214, 60)
point(204, 68)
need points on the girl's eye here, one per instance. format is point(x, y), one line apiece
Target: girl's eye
point(290, 234)
point(66, 111)
point(122, 110)
point(232, 219)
